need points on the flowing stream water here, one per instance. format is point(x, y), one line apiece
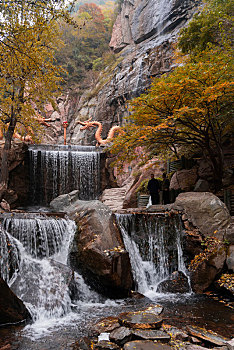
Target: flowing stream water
point(154, 243)
point(34, 252)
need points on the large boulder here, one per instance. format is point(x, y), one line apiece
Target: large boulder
point(205, 274)
point(98, 251)
point(176, 283)
point(205, 211)
point(184, 180)
point(12, 309)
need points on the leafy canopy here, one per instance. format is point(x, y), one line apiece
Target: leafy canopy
point(188, 111)
point(28, 77)
point(185, 111)
point(210, 26)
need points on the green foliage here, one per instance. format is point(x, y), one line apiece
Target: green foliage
point(213, 25)
point(143, 187)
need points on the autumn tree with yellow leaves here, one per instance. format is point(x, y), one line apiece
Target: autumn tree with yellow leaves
point(189, 111)
point(28, 74)
point(186, 112)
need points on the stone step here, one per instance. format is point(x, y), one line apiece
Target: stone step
point(114, 197)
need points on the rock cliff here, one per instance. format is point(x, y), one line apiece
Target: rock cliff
point(142, 39)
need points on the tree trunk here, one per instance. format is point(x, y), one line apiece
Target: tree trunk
point(4, 176)
point(217, 161)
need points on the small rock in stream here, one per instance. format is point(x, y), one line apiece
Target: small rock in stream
point(105, 325)
point(207, 336)
point(140, 319)
point(145, 345)
point(178, 334)
point(121, 335)
point(106, 345)
point(155, 309)
point(152, 335)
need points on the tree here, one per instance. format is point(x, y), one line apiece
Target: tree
point(84, 47)
point(28, 76)
point(209, 26)
point(185, 112)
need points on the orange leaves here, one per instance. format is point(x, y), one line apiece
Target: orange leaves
point(185, 108)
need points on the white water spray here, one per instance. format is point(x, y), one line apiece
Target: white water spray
point(155, 249)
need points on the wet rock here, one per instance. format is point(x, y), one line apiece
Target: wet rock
point(105, 345)
point(106, 325)
point(5, 205)
point(205, 211)
point(230, 344)
point(177, 283)
point(207, 271)
point(178, 334)
point(136, 295)
point(6, 347)
point(64, 201)
point(141, 320)
point(145, 345)
point(17, 193)
point(154, 309)
point(152, 335)
point(195, 340)
point(82, 344)
point(98, 251)
point(195, 347)
point(12, 309)
point(208, 336)
point(121, 335)
point(228, 232)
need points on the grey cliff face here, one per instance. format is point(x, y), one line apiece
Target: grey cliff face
point(143, 36)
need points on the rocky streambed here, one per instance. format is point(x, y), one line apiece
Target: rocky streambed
point(153, 328)
point(170, 322)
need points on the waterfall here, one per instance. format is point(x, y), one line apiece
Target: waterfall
point(35, 266)
point(56, 170)
point(41, 237)
point(9, 255)
point(154, 245)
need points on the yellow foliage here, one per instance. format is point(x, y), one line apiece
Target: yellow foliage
point(28, 76)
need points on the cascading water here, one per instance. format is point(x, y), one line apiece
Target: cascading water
point(56, 170)
point(9, 255)
point(34, 256)
point(154, 245)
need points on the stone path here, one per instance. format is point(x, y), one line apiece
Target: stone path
point(114, 197)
